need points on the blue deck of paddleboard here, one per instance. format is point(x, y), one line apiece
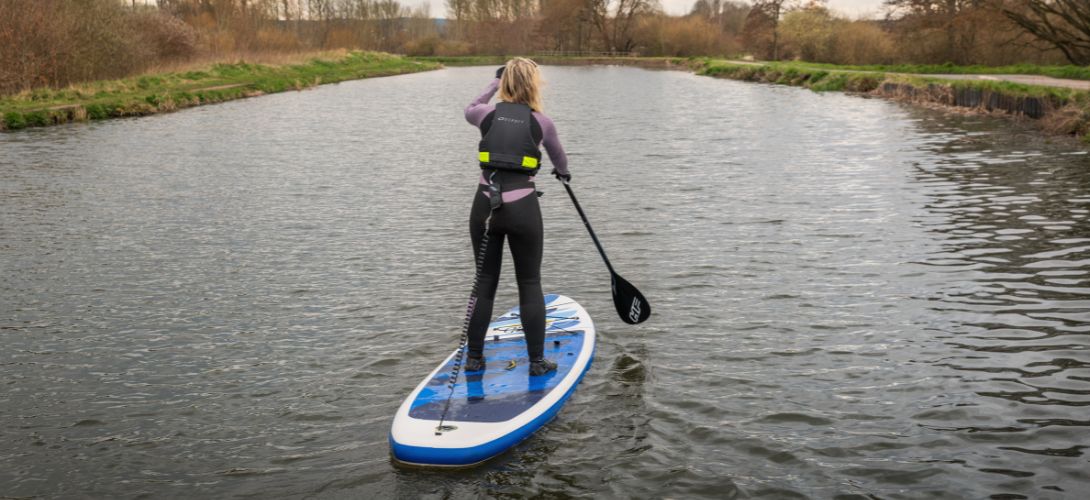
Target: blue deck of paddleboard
point(504, 390)
point(502, 393)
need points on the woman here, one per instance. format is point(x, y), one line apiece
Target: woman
point(512, 133)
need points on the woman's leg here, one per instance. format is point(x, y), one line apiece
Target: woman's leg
point(488, 273)
point(526, 237)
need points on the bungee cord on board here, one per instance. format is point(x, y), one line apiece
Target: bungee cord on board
point(496, 202)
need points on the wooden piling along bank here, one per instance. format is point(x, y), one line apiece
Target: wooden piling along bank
point(1035, 107)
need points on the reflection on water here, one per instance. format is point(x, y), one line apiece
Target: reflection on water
point(852, 297)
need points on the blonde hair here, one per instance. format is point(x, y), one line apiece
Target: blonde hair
point(521, 83)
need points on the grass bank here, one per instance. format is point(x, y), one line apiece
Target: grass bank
point(464, 60)
point(820, 80)
point(643, 62)
point(827, 77)
point(1056, 110)
point(1070, 72)
point(167, 91)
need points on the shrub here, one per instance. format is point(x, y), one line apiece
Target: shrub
point(679, 36)
point(340, 38)
point(829, 82)
point(453, 48)
point(421, 47)
point(808, 33)
point(97, 112)
point(36, 118)
point(14, 120)
point(863, 82)
point(170, 37)
point(277, 40)
point(861, 42)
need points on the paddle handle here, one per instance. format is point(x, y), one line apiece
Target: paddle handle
point(589, 229)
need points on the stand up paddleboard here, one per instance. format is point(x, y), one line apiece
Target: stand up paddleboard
point(496, 408)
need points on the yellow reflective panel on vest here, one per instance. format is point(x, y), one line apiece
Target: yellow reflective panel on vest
point(529, 161)
point(483, 156)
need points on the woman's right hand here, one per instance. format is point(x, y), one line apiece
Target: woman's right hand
point(499, 72)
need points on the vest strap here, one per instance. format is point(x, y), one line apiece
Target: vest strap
point(524, 161)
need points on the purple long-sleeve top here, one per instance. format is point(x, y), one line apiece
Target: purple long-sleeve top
point(480, 108)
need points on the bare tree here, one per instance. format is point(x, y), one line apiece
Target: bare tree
point(564, 25)
point(763, 22)
point(615, 19)
point(1064, 24)
point(951, 19)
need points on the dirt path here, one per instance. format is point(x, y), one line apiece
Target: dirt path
point(1046, 81)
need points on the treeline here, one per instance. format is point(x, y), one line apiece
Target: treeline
point(985, 32)
point(59, 42)
point(233, 26)
point(56, 42)
point(962, 32)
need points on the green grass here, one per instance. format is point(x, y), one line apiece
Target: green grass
point(155, 93)
point(792, 74)
point(1007, 88)
point(1071, 72)
point(654, 62)
point(464, 60)
point(827, 77)
point(1061, 110)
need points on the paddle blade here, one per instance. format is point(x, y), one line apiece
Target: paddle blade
point(631, 306)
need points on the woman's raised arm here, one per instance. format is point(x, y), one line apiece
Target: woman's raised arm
point(479, 108)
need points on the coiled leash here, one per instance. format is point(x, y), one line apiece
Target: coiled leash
point(495, 200)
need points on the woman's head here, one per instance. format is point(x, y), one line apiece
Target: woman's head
point(521, 83)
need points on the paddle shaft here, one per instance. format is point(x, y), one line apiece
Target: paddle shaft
point(630, 304)
point(589, 229)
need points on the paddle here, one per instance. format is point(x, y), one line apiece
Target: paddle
point(630, 304)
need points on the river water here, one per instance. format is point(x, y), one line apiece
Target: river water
point(852, 297)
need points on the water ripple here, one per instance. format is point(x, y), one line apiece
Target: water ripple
point(853, 299)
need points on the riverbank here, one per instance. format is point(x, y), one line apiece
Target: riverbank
point(1056, 109)
point(163, 92)
point(1060, 107)
point(1068, 72)
point(1057, 106)
point(640, 62)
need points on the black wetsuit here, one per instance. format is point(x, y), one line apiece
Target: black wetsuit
point(519, 222)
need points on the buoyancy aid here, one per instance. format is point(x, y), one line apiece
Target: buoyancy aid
point(509, 143)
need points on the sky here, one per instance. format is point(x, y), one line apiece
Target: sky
point(852, 8)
